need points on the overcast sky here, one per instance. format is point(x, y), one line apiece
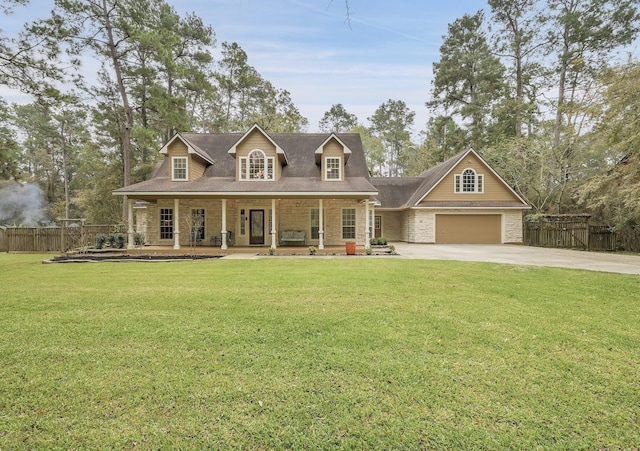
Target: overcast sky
point(307, 47)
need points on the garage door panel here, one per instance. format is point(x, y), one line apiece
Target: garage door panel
point(468, 229)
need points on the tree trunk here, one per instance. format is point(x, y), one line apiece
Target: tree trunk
point(128, 124)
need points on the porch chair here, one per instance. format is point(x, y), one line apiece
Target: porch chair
point(216, 240)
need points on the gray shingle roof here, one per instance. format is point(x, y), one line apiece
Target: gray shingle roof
point(300, 175)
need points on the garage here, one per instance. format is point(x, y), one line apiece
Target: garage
point(468, 229)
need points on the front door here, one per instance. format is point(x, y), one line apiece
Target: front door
point(377, 229)
point(256, 219)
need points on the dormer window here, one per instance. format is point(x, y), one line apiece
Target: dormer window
point(179, 168)
point(257, 166)
point(469, 182)
point(332, 168)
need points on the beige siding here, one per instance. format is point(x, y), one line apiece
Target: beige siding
point(256, 140)
point(332, 149)
point(195, 164)
point(494, 189)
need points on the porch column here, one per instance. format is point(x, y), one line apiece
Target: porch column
point(273, 224)
point(176, 223)
point(224, 224)
point(367, 225)
point(130, 243)
point(321, 224)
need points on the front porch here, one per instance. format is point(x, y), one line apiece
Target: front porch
point(233, 225)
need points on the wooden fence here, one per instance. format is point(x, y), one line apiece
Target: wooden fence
point(573, 232)
point(52, 239)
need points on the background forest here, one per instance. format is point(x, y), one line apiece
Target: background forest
point(547, 91)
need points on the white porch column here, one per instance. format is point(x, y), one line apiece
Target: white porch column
point(321, 224)
point(367, 225)
point(176, 223)
point(273, 224)
point(224, 224)
point(130, 233)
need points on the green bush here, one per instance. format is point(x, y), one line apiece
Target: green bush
point(120, 240)
point(380, 241)
point(312, 250)
point(138, 239)
point(101, 240)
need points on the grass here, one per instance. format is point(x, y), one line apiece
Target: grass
point(362, 353)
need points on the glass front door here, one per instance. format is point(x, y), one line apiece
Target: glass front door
point(256, 219)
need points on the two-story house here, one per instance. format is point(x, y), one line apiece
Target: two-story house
point(272, 189)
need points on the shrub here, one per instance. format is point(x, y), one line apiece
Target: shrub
point(312, 250)
point(120, 240)
point(111, 240)
point(380, 241)
point(138, 239)
point(101, 240)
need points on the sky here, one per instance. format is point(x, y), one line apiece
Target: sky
point(308, 47)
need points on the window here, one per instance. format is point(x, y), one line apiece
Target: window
point(256, 166)
point(469, 182)
point(166, 223)
point(179, 170)
point(348, 223)
point(315, 223)
point(332, 168)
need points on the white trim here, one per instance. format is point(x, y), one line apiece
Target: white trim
point(458, 182)
point(454, 207)
point(191, 149)
point(355, 223)
point(186, 169)
point(484, 181)
point(321, 215)
point(242, 194)
point(326, 169)
point(345, 149)
point(246, 163)
point(234, 149)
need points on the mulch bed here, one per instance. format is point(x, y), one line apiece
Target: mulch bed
point(88, 258)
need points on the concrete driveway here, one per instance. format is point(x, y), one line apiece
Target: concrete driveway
point(523, 255)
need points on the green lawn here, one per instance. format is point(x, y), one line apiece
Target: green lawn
point(351, 353)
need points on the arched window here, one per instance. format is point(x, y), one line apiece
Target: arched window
point(469, 182)
point(256, 166)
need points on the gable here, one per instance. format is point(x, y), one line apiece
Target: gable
point(196, 165)
point(255, 140)
point(494, 188)
point(333, 148)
